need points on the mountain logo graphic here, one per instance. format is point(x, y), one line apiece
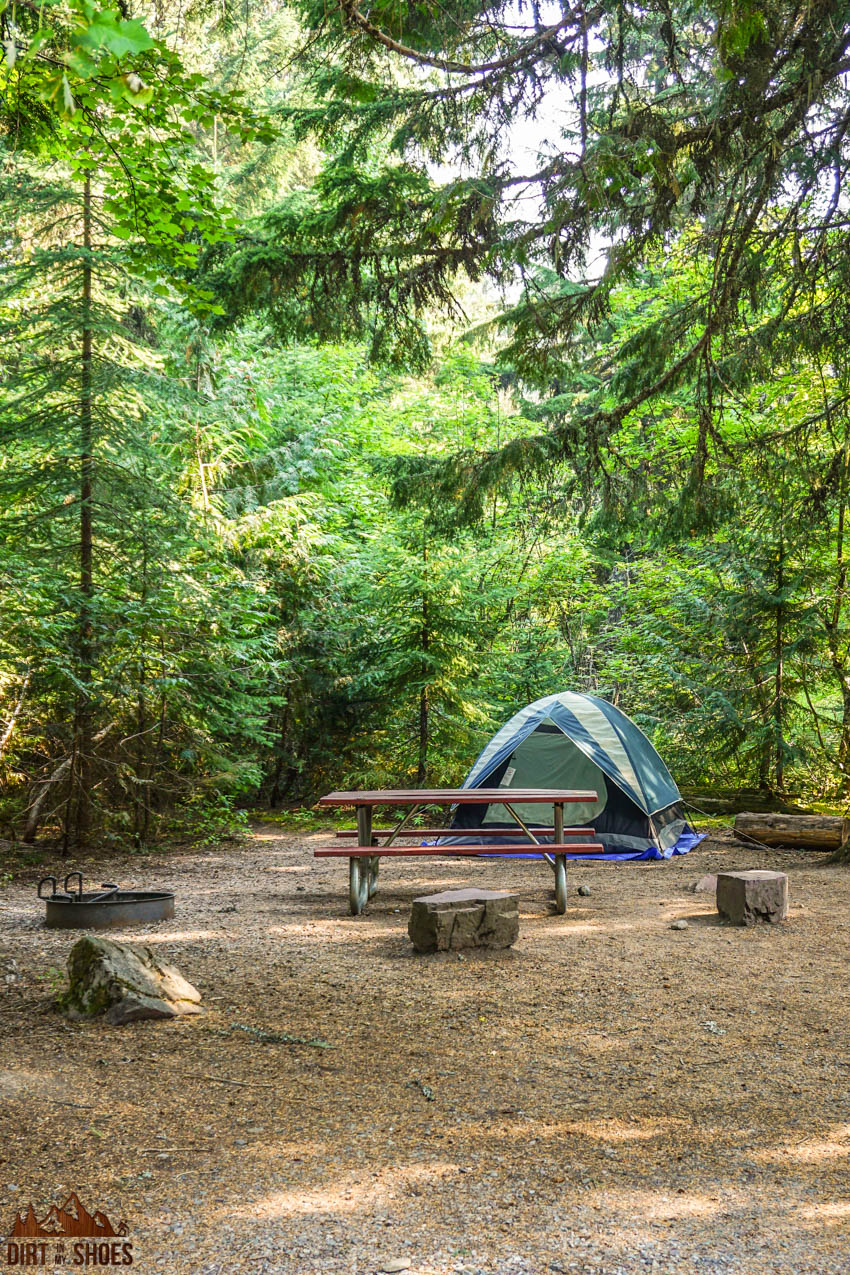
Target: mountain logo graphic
point(71, 1219)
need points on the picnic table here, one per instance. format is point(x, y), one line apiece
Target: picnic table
point(373, 844)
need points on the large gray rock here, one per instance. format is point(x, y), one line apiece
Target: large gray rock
point(747, 897)
point(457, 919)
point(127, 983)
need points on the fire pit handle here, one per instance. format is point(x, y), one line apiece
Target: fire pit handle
point(108, 888)
point(42, 882)
point(67, 888)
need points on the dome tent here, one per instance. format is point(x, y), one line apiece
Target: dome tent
point(580, 741)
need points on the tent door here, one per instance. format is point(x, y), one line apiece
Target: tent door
point(548, 759)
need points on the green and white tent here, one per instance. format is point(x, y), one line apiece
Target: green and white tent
point(580, 741)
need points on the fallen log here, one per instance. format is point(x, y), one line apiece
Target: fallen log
point(812, 832)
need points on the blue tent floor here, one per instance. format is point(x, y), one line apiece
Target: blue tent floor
point(684, 845)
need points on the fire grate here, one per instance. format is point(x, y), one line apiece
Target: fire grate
point(108, 908)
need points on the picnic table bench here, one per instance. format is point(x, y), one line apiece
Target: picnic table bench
point(373, 844)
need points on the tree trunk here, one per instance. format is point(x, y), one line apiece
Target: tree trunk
point(424, 707)
point(142, 804)
point(422, 768)
point(779, 653)
point(842, 854)
point(34, 813)
point(277, 787)
point(10, 728)
point(815, 832)
point(837, 656)
point(844, 742)
point(83, 723)
point(142, 812)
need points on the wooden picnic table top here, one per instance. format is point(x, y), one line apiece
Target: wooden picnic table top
point(456, 796)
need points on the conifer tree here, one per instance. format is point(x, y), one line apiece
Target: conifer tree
point(107, 207)
point(723, 129)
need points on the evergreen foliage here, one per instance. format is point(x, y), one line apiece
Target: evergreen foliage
point(718, 133)
point(388, 371)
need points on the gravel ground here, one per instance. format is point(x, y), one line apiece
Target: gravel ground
point(609, 1096)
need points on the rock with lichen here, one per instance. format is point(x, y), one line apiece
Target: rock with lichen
point(125, 983)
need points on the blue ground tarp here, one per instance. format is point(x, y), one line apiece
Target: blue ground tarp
point(686, 842)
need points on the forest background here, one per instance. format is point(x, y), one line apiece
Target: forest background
point(330, 438)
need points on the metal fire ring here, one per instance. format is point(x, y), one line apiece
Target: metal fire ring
point(108, 908)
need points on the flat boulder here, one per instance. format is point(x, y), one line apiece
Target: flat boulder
point(745, 898)
point(125, 983)
point(457, 919)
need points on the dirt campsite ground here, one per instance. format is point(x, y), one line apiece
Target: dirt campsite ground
point(609, 1096)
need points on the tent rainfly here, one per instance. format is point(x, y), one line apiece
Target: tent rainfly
point(580, 741)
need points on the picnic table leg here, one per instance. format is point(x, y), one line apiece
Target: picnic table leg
point(561, 883)
point(358, 885)
point(362, 873)
point(364, 836)
point(560, 864)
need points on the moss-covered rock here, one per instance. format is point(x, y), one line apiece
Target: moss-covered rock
point(126, 983)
